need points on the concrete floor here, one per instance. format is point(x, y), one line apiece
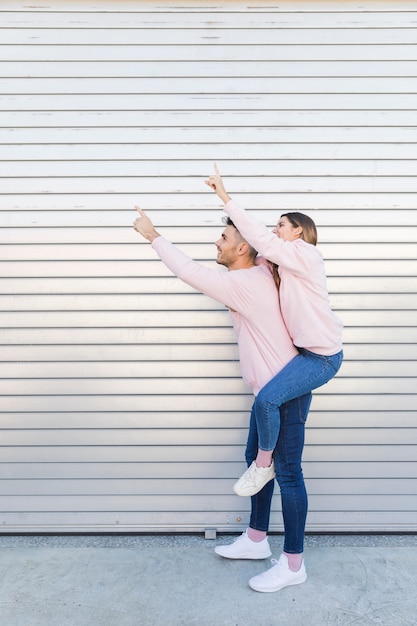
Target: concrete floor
point(179, 581)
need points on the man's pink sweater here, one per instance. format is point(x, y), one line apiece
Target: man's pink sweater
point(303, 291)
point(251, 295)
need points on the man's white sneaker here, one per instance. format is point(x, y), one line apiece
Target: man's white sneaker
point(254, 479)
point(278, 576)
point(245, 548)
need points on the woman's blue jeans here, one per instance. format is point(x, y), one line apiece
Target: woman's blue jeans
point(302, 374)
point(287, 459)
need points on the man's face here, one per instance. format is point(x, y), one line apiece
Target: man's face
point(226, 247)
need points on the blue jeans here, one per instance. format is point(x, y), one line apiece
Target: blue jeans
point(287, 459)
point(302, 374)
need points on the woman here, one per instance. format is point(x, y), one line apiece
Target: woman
point(313, 327)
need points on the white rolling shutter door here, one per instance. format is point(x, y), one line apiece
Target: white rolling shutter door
point(122, 406)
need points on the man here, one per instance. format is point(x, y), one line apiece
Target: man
point(250, 293)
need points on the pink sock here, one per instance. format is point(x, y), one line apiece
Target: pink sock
point(264, 458)
point(294, 561)
point(256, 535)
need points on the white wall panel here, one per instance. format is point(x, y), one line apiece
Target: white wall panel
point(122, 406)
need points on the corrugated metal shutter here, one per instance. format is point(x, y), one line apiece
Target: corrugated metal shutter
point(122, 406)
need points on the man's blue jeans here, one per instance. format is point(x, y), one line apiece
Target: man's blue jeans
point(302, 374)
point(287, 459)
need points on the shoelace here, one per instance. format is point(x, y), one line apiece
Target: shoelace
point(278, 565)
point(248, 477)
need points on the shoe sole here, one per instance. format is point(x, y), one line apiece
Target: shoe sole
point(244, 558)
point(297, 582)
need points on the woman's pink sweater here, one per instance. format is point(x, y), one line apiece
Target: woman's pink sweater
point(303, 291)
point(251, 295)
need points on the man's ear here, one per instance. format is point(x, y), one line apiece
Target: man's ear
point(242, 248)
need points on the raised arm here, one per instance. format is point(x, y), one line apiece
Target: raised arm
point(215, 182)
point(225, 287)
point(144, 226)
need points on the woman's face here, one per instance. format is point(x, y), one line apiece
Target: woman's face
point(286, 231)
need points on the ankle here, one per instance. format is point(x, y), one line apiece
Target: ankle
point(264, 458)
point(294, 561)
point(256, 535)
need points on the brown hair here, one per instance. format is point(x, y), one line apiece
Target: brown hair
point(309, 230)
point(251, 251)
point(275, 274)
point(308, 233)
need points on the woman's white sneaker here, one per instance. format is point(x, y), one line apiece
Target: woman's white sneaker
point(278, 576)
point(254, 479)
point(245, 548)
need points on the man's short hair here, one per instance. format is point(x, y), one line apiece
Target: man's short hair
point(251, 251)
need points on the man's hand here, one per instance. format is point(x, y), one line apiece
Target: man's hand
point(144, 226)
point(216, 183)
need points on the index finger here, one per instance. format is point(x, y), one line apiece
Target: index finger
point(216, 169)
point(139, 210)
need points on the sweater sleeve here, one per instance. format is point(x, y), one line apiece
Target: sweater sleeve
point(223, 286)
point(296, 256)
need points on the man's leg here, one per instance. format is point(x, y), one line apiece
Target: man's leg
point(290, 569)
point(253, 543)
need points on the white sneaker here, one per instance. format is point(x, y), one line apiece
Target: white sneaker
point(278, 576)
point(254, 479)
point(245, 548)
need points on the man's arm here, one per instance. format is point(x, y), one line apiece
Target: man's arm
point(144, 226)
point(222, 286)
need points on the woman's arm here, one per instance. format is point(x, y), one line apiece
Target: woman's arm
point(216, 183)
point(297, 257)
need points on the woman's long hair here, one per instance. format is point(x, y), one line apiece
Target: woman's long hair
point(275, 274)
point(308, 234)
point(309, 230)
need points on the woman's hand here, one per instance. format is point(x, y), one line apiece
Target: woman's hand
point(215, 182)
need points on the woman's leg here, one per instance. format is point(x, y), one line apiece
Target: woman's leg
point(304, 372)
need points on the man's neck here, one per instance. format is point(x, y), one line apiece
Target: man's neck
point(241, 265)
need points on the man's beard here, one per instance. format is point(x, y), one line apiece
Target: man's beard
point(220, 261)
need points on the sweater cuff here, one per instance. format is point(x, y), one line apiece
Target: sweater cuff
point(155, 244)
point(229, 206)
